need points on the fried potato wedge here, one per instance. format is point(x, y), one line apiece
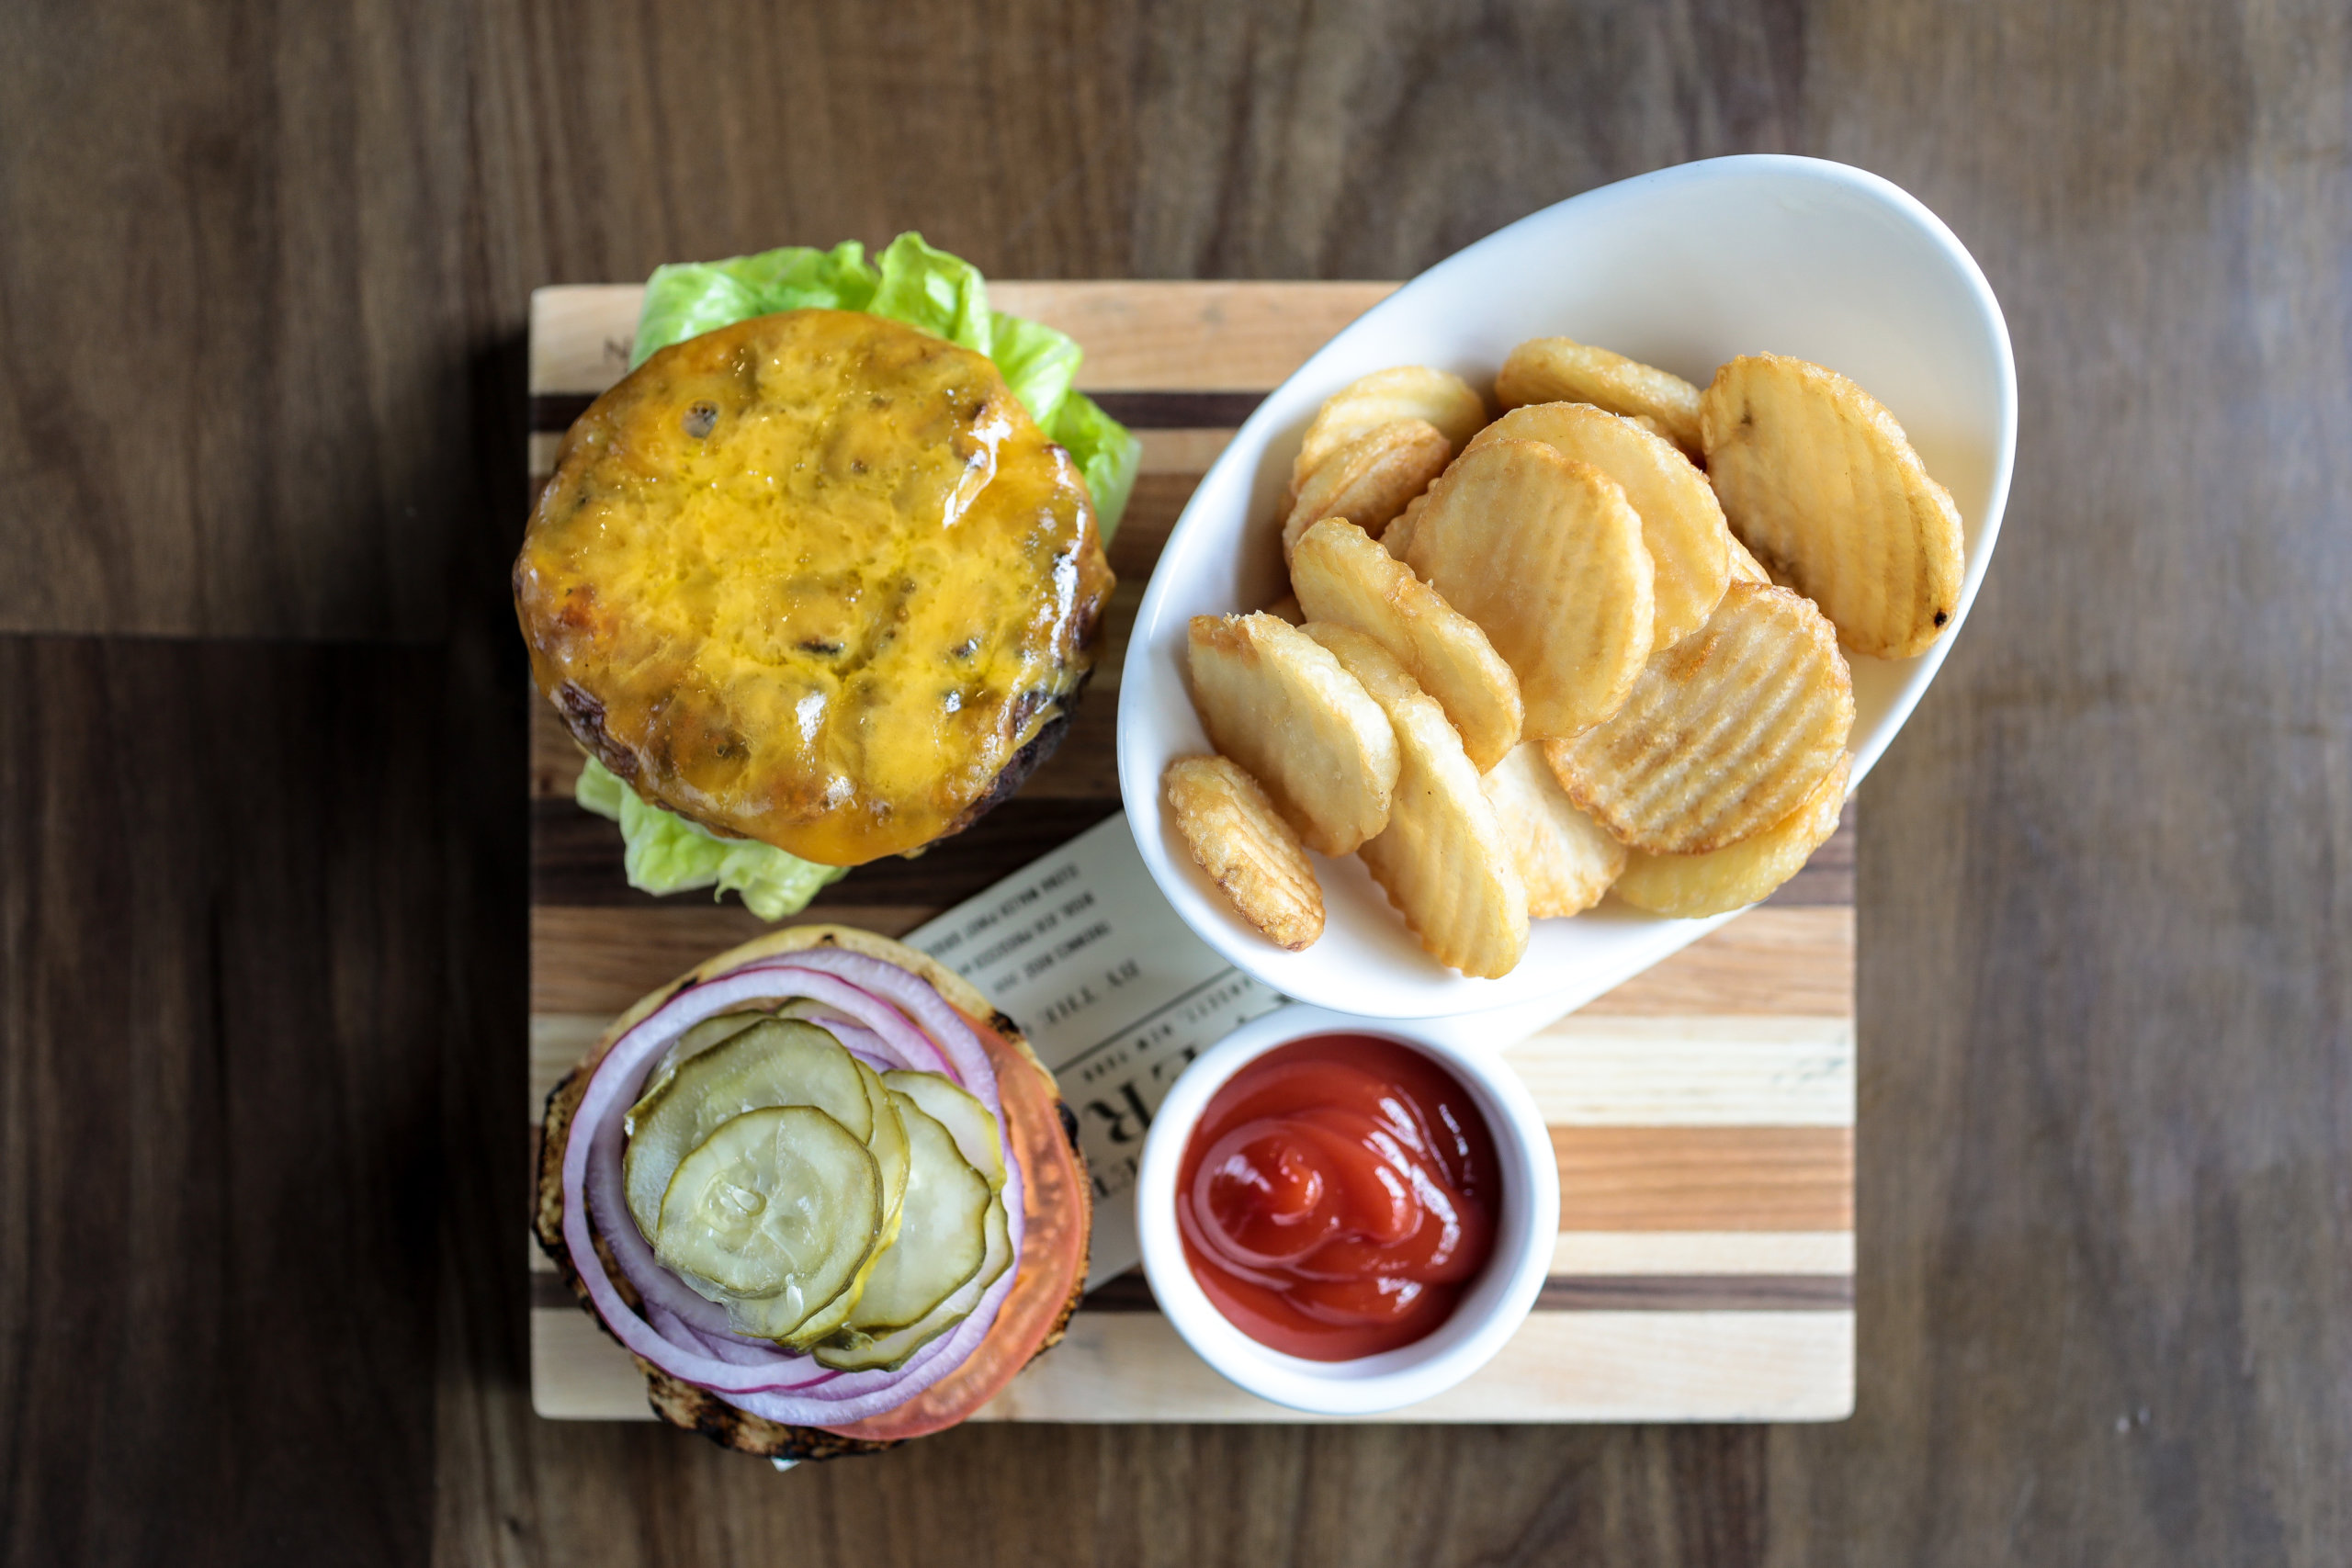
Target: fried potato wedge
point(1255, 858)
point(1397, 537)
point(1745, 568)
point(1345, 578)
point(1442, 859)
point(1286, 608)
point(1546, 556)
point(1565, 858)
point(1725, 733)
point(1681, 522)
point(1821, 483)
point(1407, 391)
point(1370, 478)
point(1562, 370)
point(1276, 702)
point(1690, 887)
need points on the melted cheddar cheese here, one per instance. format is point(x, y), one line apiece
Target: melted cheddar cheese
point(814, 579)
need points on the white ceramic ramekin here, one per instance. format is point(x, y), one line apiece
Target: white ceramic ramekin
point(1488, 1313)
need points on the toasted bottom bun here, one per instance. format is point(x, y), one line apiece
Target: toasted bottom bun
point(1048, 1278)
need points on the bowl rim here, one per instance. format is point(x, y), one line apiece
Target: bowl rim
point(1490, 1311)
point(1444, 994)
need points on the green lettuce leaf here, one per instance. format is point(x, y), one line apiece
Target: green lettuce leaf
point(928, 289)
point(1037, 362)
point(1106, 453)
point(666, 854)
point(689, 298)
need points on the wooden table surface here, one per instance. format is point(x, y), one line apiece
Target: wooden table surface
point(263, 277)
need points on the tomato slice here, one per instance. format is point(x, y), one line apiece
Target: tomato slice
point(1058, 1207)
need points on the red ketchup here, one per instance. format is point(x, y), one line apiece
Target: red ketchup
point(1338, 1195)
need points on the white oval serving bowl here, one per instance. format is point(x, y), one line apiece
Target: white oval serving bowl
point(1684, 269)
point(1489, 1311)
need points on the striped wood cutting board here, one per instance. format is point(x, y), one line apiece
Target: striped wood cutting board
point(1704, 1112)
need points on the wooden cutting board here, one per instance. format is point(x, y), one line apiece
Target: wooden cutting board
point(1703, 1112)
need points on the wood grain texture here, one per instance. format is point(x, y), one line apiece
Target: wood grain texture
point(220, 878)
point(1705, 1179)
point(260, 308)
point(1143, 338)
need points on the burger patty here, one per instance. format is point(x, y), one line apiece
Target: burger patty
point(815, 579)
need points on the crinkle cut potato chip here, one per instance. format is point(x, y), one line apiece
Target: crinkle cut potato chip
point(1342, 576)
point(1276, 701)
point(1565, 858)
point(1745, 568)
point(1821, 483)
point(1691, 888)
point(1562, 370)
point(1406, 391)
point(1546, 556)
point(1237, 837)
point(1724, 734)
point(1370, 479)
point(1397, 537)
point(1443, 859)
point(1682, 525)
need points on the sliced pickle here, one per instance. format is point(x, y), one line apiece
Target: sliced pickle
point(764, 1318)
point(889, 1148)
point(782, 1203)
point(809, 1011)
point(769, 1064)
point(943, 1233)
point(821, 1325)
point(852, 1351)
point(888, 1142)
point(710, 1032)
point(789, 1323)
point(966, 1119)
point(999, 1257)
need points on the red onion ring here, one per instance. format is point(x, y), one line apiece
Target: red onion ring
point(894, 988)
point(656, 1286)
point(953, 1348)
point(918, 998)
point(610, 1092)
point(864, 1044)
point(911, 1046)
point(694, 1324)
point(829, 1386)
point(681, 1332)
point(928, 1365)
point(727, 1347)
point(701, 1324)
